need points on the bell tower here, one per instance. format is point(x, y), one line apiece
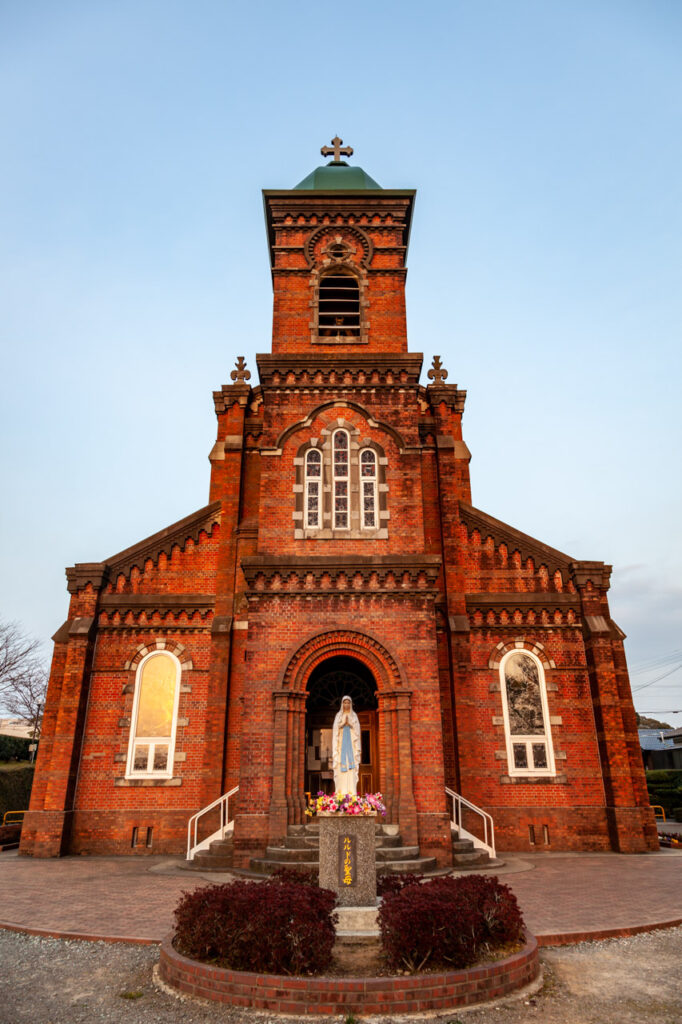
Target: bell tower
point(338, 246)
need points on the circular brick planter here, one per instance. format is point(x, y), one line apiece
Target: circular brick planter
point(277, 993)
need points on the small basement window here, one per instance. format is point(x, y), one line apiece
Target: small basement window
point(339, 307)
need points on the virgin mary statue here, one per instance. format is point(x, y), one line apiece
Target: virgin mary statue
point(346, 748)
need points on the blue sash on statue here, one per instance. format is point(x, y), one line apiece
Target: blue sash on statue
point(347, 756)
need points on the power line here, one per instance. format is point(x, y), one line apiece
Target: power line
point(654, 663)
point(665, 675)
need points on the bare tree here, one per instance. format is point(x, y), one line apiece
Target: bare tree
point(23, 677)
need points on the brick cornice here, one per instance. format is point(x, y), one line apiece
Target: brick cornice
point(453, 396)
point(82, 573)
point(178, 533)
point(515, 540)
point(229, 394)
point(156, 602)
point(510, 599)
point(596, 573)
point(364, 574)
point(343, 369)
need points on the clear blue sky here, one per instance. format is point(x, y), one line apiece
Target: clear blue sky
point(545, 141)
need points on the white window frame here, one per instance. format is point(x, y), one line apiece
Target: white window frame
point(374, 480)
point(341, 479)
point(152, 741)
point(307, 481)
point(528, 740)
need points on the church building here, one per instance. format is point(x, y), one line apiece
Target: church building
point(339, 553)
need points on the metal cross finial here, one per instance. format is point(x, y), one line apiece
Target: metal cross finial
point(241, 373)
point(337, 151)
point(438, 373)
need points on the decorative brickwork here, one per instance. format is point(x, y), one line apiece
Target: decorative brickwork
point(395, 577)
point(447, 990)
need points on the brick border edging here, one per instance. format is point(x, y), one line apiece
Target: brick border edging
point(56, 933)
point(322, 995)
point(596, 935)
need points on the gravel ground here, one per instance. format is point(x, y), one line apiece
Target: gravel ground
point(52, 981)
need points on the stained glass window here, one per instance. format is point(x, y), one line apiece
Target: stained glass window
point(154, 715)
point(368, 480)
point(313, 466)
point(340, 486)
point(529, 741)
point(340, 455)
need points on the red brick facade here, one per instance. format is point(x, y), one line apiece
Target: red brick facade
point(252, 602)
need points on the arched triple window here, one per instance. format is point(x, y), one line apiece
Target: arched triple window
point(154, 720)
point(341, 488)
point(526, 715)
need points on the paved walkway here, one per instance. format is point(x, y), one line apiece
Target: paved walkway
point(564, 897)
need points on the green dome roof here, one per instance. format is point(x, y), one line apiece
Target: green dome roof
point(339, 175)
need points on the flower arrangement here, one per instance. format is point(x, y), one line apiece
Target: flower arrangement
point(346, 803)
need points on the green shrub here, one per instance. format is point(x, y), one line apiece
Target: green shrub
point(665, 788)
point(656, 776)
point(274, 927)
point(14, 748)
point(15, 789)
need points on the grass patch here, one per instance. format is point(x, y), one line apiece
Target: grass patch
point(131, 995)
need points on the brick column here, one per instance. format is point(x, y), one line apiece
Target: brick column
point(281, 761)
point(387, 782)
point(628, 818)
point(48, 823)
point(298, 778)
point(407, 811)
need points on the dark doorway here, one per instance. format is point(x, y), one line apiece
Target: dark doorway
point(328, 683)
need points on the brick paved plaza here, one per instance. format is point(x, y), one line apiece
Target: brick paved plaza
point(563, 896)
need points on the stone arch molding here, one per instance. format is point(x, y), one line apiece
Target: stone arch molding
point(171, 646)
point(326, 644)
point(358, 253)
point(520, 644)
point(306, 423)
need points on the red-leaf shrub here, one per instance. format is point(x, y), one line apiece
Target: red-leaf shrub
point(447, 921)
point(274, 927)
point(305, 876)
point(497, 904)
point(388, 883)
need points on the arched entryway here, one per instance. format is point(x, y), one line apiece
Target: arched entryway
point(329, 681)
point(314, 677)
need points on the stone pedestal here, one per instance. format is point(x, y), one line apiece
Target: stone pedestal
point(348, 858)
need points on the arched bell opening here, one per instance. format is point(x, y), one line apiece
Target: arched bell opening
point(329, 681)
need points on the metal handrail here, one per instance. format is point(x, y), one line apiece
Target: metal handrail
point(488, 842)
point(7, 814)
point(226, 823)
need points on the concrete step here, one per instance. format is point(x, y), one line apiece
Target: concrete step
point(206, 861)
point(397, 853)
point(462, 845)
point(265, 866)
point(418, 866)
point(303, 842)
point(480, 865)
point(471, 857)
point(220, 847)
point(282, 855)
